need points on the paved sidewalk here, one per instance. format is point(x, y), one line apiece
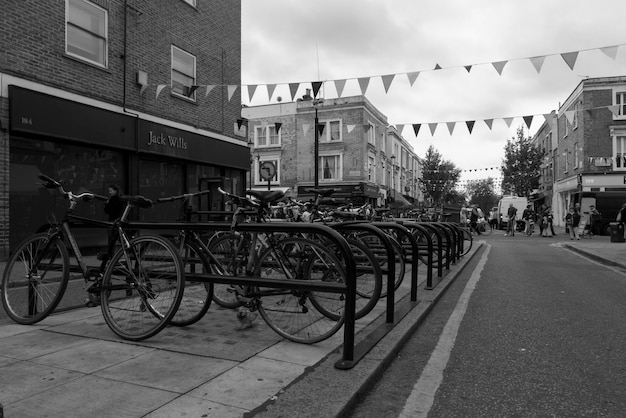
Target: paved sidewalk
point(71, 364)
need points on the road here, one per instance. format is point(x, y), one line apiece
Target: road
point(528, 330)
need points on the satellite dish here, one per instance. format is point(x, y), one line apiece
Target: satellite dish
point(279, 99)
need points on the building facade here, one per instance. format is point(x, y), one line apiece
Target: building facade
point(585, 144)
point(359, 155)
point(142, 94)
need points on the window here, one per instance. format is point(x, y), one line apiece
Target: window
point(86, 32)
point(183, 72)
point(266, 136)
point(576, 155)
point(257, 167)
point(577, 107)
point(330, 167)
point(619, 151)
point(371, 134)
point(332, 131)
point(566, 130)
point(371, 167)
point(619, 99)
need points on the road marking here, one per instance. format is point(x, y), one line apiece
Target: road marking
point(422, 396)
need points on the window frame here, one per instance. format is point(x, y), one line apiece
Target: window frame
point(173, 91)
point(619, 158)
point(264, 131)
point(621, 111)
point(338, 170)
point(326, 135)
point(104, 37)
point(371, 134)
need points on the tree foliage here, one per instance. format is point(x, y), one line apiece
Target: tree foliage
point(521, 166)
point(439, 176)
point(482, 192)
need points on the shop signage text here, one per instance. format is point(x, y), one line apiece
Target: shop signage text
point(167, 140)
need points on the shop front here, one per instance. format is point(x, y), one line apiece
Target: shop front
point(89, 148)
point(355, 193)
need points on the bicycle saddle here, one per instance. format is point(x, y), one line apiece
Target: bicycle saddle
point(266, 196)
point(137, 200)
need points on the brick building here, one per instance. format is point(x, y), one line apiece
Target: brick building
point(359, 155)
point(585, 145)
point(140, 93)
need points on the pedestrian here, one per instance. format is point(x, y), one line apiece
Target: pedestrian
point(474, 215)
point(510, 225)
point(551, 221)
point(572, 219)
point(594, 219)
point(463, 217)
point(493, 218)
point(114, 207)
point(529, 218)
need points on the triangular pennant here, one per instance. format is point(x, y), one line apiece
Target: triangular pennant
point(499, 66)
point(363, 83)
point(416, 128)
point(528, 120)
point(468, 68)
point(191, 90)
point(305, 127)
point(569, 115)
point(412, 77)
point(350, 128)
point(548, 118)
point(339, 85)
point(208, 89)
point(400, 128)
point(277, 126)
point(270, 91)
point(433, 127)
point(293, 89)
point(570, 58)
point(387, 79)
point(470, 125)
point(489, 123)
point(437, 67)
point(320, 128)
point(239, 123)
point(231, 90)
point(614, 109)
point(159, 88)
point(143, 88)
point(251, 90)
point(538, 62)
point(366, 128)
point(316, 87)
point(451, 126)
point(610, 51)
point(508, 121)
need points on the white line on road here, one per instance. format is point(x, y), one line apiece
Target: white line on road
point(422, 396)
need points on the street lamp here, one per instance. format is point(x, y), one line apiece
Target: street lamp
point(393, 175)
point(316, 150)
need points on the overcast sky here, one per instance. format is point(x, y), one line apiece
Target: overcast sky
point(291, 41)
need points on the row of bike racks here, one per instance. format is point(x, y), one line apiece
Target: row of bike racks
point(417, 239)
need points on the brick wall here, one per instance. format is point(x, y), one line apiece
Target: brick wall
point(4, 178)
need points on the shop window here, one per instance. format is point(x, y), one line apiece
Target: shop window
point(86, 31)
point(183, 73)
point(330, 167)
point(160, 179)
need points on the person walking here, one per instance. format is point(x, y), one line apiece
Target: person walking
point(594, 219)
point(474, 216)
point(529, 218)
point(550, 217)
point(572, 219)
point(510, 225)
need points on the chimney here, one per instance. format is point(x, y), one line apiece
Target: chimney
point(307, 95)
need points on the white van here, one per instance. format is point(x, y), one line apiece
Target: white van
point(519, 203)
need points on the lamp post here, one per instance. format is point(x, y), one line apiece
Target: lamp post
point(393, 176)
point(316, 150)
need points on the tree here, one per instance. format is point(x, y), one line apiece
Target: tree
point(521, 165)
point(439, 176)
point(482, 192)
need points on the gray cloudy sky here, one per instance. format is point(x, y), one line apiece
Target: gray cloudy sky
point(288, 41)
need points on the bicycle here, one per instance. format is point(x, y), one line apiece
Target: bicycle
point(139, 284)
point(482, 228)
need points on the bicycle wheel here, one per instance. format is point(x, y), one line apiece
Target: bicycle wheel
point(485, 228)
point(198, 294)
point(300, 315)
point(142, 288)
point(35, 278)
point(230, 253)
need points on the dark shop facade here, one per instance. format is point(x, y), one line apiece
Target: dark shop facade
point(89, 148)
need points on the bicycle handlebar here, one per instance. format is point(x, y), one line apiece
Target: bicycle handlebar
point(182, 196)
point(239, 200)
point(50, 183)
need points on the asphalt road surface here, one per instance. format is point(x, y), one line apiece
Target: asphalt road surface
point(529, 329)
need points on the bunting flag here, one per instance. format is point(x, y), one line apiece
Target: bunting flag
point(468, 68)
point(610, 51)
point(270, 91)
point(451, 126)
point(191, 90)
point(470, 125)
point(433, 128)
point(277, 126)
point(251, 90)
point(339, 85)
point(240, 122)
point(548, 118)
point(160, 87)
point(231, 91)
point(569, 115)
point(350, 128)
point(412, 77)
point(570, 58)
point(363, 83)
point(508, 121)
point(387, 79)
point(320, 128)
point(305, 128)
point(316, 87)
point(437, 67)
point(528, 120)
point(400, 128)
point(489, 123)
point(538, 62)
point(143, 89)
point(209, 88)
point(293, 89)
point(614, 109)
point(416, 128)
point(499, 66)
point(366, 128)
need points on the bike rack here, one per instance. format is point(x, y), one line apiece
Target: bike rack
point(349, 288)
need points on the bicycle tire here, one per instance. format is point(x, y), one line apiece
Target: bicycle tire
point(139, 296)
point(29, 298)
point(231, 253)
point(288, 312)
point(198, 294)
